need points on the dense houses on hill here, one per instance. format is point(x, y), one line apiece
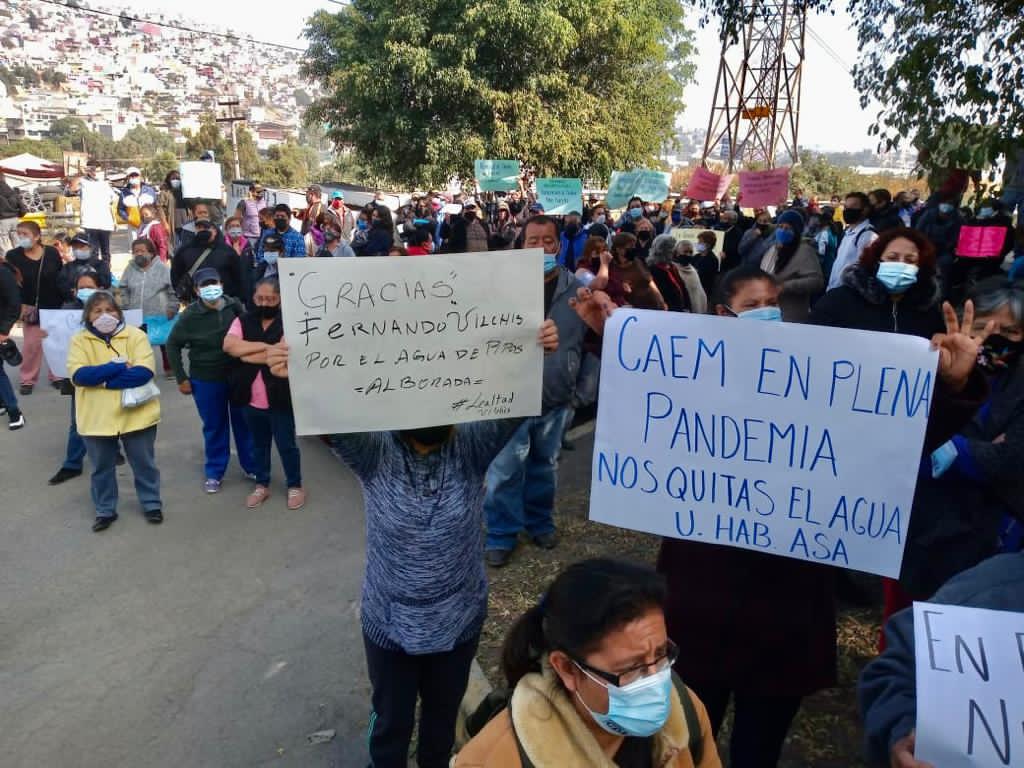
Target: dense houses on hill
point(116, 74)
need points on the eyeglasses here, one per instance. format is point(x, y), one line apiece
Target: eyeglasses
point(631, 675)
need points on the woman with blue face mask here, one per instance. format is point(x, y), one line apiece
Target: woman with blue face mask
point(796, 268)
point(589, 671)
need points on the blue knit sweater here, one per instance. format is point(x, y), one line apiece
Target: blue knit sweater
point(425, 589)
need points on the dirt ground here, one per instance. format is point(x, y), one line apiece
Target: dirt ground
point(827, 731)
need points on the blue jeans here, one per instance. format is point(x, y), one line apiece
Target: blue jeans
point(140, 448)
point(74, 457)
point(220, 419)
point(278, 426)
point(7, 397)
point(521, 481)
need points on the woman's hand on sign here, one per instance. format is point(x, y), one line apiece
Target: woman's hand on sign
point(277, 359)
point(547, 337)
point(902, 754)
point(958, 350)
point(593, 308)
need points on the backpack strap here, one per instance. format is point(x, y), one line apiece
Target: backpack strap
point(523, 758)
point(856, 238)
point(199, 262)
point(696, 742)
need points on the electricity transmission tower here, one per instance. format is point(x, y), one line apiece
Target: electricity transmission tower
point(755, 118)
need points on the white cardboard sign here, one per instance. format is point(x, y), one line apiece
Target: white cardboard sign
point(970, 686)
point(60, 325)
point(793, 440)
point(200, 179)
point(392, 343)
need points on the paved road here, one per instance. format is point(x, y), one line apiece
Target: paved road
point(221, 638)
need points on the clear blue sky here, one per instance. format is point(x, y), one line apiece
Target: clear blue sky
point(831, 119)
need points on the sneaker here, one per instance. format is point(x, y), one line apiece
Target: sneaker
point(259, 494)
point(64, 474)
point(102, 523)
point(169, 375)
point(296, 498)
point(3, 410)
point(26, 389)
point(211, 485)
point(17, 420)
point(154, 516)
point(249, 475)
point(546, 540)
point(498, 558)
point(56, 384)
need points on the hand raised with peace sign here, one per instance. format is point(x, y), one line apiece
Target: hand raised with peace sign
point(958, 350)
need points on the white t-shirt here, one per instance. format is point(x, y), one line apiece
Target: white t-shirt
point(96, 199)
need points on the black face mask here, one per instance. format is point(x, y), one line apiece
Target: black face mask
point(571, 230)
point(852, 215)
point(330, 237)
point(280, 225)
point(204, 237)
point(515, 208)
point(685, 260)
point(429, 436)
point(470, 215)
point(998, 353)
point(269, 313)
point(764, 228)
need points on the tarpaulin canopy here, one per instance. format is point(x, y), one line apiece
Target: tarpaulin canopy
point(31, 167)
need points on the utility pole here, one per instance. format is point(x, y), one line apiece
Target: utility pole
point(232, 118)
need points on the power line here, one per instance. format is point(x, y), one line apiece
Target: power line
point(167, 25)
point(828, 49)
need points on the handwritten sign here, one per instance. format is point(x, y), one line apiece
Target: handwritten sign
point(980, 242)
point(793, 440)
point(970, 686)
point(689, 234)
point(496, 175)
point(649, 186)
point(404, 343)
point(200, 179)
point(706, 185)
point(60, 325)
point(560, 196)
point(760, 188)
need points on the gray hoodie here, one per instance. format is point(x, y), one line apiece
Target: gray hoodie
point(148, 289)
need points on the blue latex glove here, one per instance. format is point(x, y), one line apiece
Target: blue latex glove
point(943, 458)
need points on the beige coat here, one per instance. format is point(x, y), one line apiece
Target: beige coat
point(800, 280)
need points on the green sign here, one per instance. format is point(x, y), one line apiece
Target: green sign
point(560, 196)
point(649, 186)
point(496, 175)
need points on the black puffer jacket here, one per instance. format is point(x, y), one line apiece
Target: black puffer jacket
point(10, 299)
point(863, 303)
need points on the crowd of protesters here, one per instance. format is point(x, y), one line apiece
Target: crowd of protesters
point(595, 670)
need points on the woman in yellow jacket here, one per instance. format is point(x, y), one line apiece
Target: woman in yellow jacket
point(590, 669)
point(105, 358)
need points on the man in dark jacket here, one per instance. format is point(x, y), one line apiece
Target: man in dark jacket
point(884, 215)
point(521, 479)
point(469, 233)
point(208, 246)
point(83, 261)
point(10, 311)
point(888, 685)
point(11, 209)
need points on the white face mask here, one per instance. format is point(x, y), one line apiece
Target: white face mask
point(700, 247)
point(81, 254)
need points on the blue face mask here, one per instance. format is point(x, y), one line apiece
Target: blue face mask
point(946, 208)
point(770, 314)
point(270, 258)
point(784, 236)
point(639, 709)
point(636, 213)
point(211, 292)
point(83, 294)
point(361, 224)
point(896, 276)
point(550, 262)
point(677, 217)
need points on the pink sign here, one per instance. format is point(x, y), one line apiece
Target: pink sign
point(705, 185)
point(761, 188)
point(980, 242)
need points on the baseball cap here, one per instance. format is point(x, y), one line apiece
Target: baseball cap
point(314, 188)
point(207, 155)
point(336, 195)
point(81, 239)
point(469, 202)
point(537, 208)
point(133, 171)
point(272, 243)
point(206, 275)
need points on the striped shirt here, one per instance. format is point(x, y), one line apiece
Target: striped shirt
point(425, 589)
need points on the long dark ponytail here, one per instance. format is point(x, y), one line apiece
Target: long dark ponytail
point(585, 602)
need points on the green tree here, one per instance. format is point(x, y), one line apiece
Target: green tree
point(288, 165)
point(816, 175)
point(248, 154)
point(158, 166)
point(209, 136)
point(142, 142)
point(929, 65)
point(69, 132)
point(421, 88)
point(44, 148)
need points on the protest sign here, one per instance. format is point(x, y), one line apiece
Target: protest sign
point(970, 686)
point(200, 179)
point(690, 235)
point(60, 325)
point(705, 185)
point(382, 344)
point(560, 196)
point(980, 242)
point(760, 188)
point(788, 439)
point(496, 175)
point(649, 186)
